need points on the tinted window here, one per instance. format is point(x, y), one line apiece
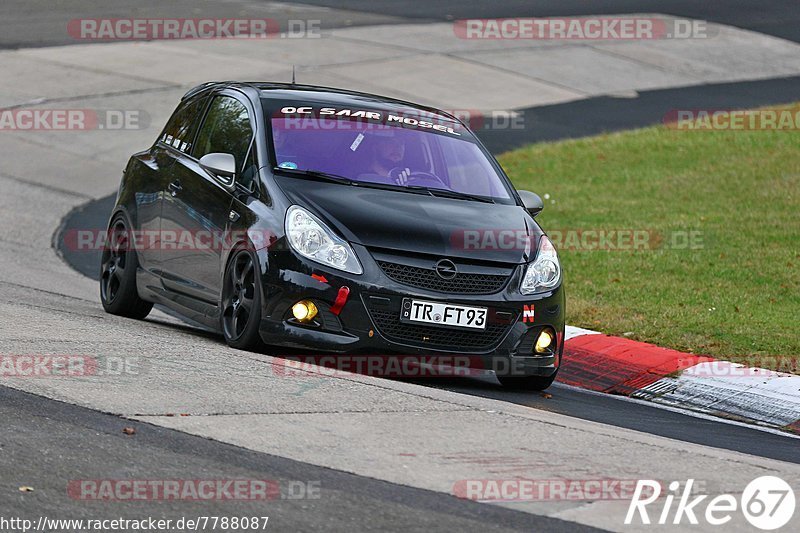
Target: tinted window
point(226, 129)
point(386, 153)
point(180, 129)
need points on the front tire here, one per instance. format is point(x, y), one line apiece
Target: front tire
point(241, 302)
point(527, 383)
point(118, 265)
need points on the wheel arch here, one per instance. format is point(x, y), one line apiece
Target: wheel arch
point(262, 259)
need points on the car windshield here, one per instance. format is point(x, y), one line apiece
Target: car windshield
point(429, 153)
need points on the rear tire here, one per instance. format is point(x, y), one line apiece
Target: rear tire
point(241, 302)
point(118, 265)
point(527, 383)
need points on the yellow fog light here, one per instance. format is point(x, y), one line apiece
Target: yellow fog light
point(544, 341)
point(304, 310)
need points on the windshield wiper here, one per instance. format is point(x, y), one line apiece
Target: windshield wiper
point(448, 193)
point(391, 187)
point(335, 178)
point(316, 174)
point(417, 189)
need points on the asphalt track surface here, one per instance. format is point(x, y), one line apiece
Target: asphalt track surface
point(780, 18)
point(71, 439)
point(29, 23)
point(36, 23)
point(607, 114)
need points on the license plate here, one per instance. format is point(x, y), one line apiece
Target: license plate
point(457, 316)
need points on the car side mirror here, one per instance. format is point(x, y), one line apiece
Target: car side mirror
point(532, 202)
point(219, 164)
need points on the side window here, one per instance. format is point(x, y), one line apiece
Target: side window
point(226, 129)
point(181, 127)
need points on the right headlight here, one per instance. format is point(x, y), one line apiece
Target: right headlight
point(544, 274)
point(311, 238)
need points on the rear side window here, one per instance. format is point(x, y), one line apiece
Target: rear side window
point(180, 130)
point(226, 129)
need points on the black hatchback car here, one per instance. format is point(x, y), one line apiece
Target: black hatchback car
point(336, 222)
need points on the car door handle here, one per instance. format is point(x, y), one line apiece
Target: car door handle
point(174, 187)
point(233, 216)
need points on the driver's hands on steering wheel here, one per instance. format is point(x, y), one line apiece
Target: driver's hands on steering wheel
point(402, 175)
point(406, 176)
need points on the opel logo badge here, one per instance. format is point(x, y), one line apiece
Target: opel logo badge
point(446, 269)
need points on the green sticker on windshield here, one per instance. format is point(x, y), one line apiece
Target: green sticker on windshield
point(288, 164)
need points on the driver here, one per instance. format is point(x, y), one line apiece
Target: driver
point(387, 153)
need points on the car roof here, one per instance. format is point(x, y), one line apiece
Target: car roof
point(328, 95)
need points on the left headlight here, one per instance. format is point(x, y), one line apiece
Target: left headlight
point(544, 273)
point(311, 238)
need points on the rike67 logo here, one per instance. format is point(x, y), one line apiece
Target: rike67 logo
point(768, 503)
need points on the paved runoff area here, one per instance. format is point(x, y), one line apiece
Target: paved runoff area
point(445, 65)
point(163, 373)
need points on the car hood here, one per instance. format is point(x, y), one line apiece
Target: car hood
point(418, 223)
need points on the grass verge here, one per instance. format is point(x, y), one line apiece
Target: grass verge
point(720, 211)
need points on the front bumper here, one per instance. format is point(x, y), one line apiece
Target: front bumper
point(369, 324)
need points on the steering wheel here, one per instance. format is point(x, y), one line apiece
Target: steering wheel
point(405, 176)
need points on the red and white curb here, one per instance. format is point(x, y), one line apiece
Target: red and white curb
point(622, 366)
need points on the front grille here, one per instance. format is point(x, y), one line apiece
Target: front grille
point(427, 278)
point(388, 323)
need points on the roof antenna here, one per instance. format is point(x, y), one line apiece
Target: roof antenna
point(293, 75)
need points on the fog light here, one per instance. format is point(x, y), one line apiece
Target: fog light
point(543, 341)
point(304, 310)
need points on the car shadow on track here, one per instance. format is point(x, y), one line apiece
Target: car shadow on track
point(577, 403)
